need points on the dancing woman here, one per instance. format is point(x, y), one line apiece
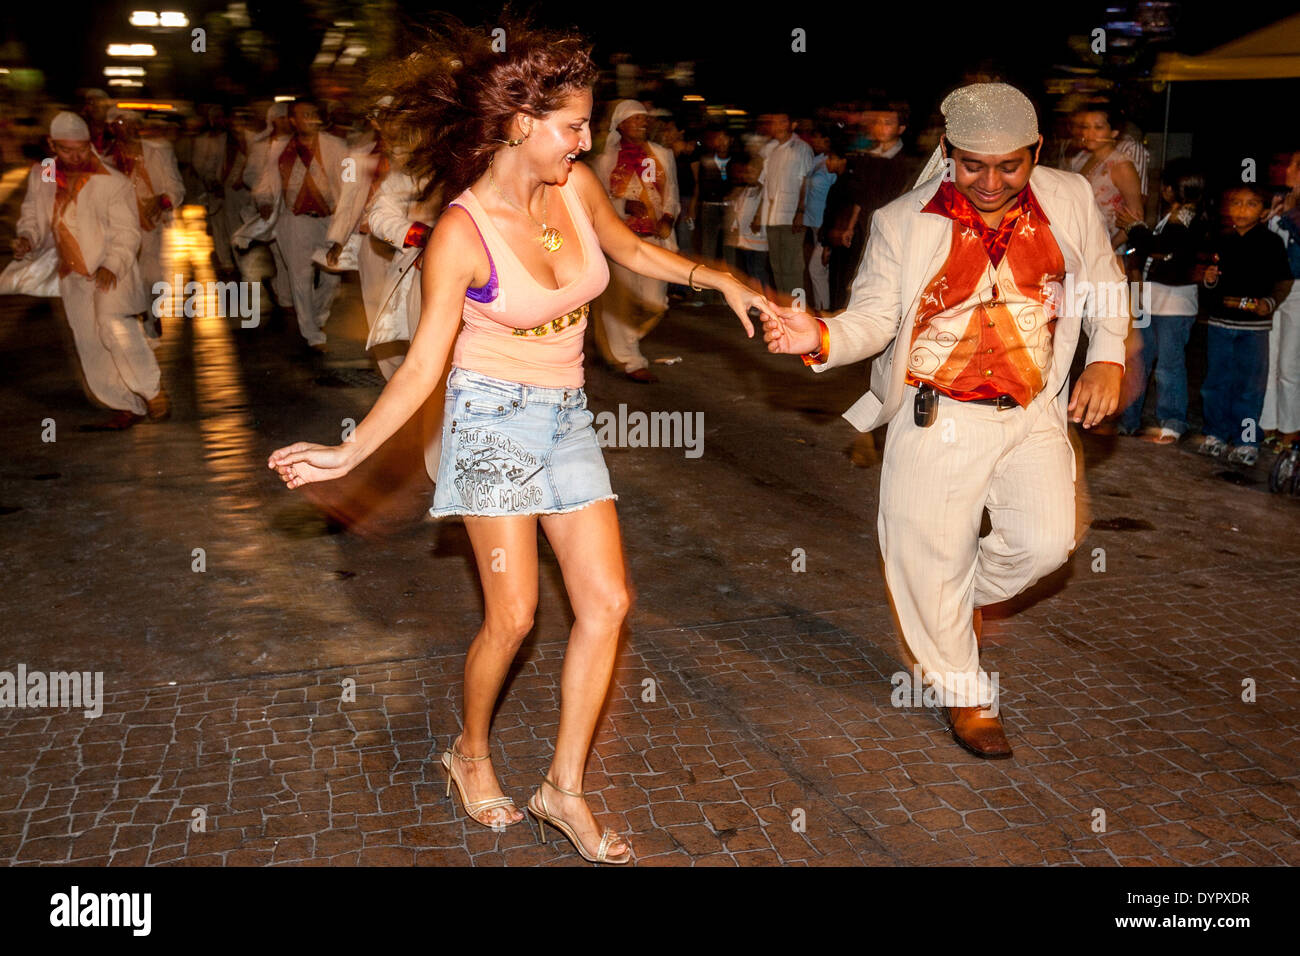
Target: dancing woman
point(508, 274)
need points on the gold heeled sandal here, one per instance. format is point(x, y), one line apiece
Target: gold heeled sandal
point(607, 839)
point(478, 806)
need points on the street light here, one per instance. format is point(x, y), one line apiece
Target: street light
point(166, 19)
point(124, 71)
point(131, 49)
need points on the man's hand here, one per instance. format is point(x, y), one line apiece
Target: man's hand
point(665, 227)
point(22, 247)
point(332, 257)
point(755, 225)
point(104, 280)
point(153, 209)
point(1096, 393)
point(792, 332)
point(264, 211)
point(797, 224)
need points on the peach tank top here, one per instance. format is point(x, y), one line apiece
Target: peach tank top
point(517, 329)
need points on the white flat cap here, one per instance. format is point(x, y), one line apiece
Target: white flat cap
point(989, 118)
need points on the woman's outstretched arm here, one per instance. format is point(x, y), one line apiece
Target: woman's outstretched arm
point(628, 249)
point(449, 265)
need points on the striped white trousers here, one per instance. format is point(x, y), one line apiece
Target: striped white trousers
point(934, 486)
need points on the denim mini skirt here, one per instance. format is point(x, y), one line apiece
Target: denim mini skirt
point(512, 449)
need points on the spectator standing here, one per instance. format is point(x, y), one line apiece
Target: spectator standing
point(1113, 176)
point(1248, 277)
point(1166, 259)
point(749, 243)
point(1280, 418)
point(828, 163)
point(787, 161)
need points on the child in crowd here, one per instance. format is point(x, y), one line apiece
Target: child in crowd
point(1248, 276)
point(750, 246)
point(1166, 257)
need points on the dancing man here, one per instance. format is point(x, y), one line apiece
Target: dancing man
point(300, 185)
point(83, 213)
point(959, 288)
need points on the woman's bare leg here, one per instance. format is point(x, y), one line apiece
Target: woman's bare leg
point(589, 548)
point(505, 550)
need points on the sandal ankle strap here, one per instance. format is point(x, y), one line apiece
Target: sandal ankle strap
point(559, 789)
point(455, 752)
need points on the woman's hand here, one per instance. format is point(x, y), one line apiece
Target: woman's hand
point(1126, 218)
point(742, 298)
point(304, 462)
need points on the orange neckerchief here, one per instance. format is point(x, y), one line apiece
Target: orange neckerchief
point(949, 202)
point(67, 188)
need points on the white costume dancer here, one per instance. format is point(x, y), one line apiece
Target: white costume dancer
point(259, 148)
point(400, 219)
point(80, 227)
point(301, 182)
point(221, 160)
point(632, 304)
point(151, 166)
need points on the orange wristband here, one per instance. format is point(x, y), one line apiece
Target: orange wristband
point(824, 349)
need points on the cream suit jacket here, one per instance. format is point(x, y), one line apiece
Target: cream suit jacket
point(907, 248)
point(106, 224)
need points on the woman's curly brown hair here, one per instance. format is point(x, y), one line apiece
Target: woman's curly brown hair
point(453, 97)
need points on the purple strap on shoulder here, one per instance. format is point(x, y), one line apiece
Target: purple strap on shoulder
point(483, 293)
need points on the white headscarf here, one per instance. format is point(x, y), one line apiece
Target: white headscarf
point(622, 110)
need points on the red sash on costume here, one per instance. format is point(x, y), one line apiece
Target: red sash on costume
point(634, 160)
point(310, 200)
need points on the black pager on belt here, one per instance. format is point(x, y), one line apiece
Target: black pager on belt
point(926, 407)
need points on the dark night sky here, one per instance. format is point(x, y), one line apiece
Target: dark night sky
point(915, 49)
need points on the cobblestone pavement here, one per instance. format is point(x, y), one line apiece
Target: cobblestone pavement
point(750, 721)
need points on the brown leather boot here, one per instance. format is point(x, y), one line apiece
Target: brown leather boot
point(159, 407)
point(981, 735)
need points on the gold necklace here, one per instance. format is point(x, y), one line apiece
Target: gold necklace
point(550, 238)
